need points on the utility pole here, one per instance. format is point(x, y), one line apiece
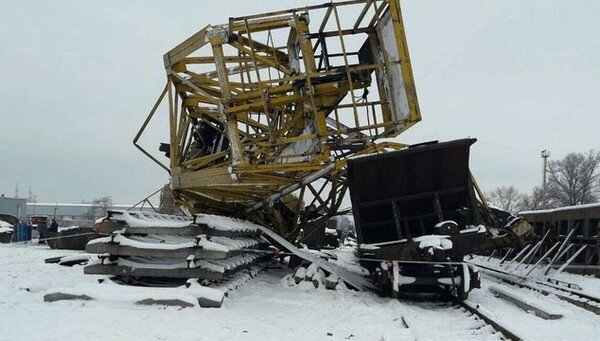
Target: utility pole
point(17, 190)
point(545, 155)
point(34, 202)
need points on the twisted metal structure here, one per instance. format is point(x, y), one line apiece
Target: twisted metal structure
point(265, 110)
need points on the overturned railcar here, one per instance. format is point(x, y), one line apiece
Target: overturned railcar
point(417, 216)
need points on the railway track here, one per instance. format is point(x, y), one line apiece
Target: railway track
point(485, 325)
point(576, 297)
point(482, 322)
point(487, 316)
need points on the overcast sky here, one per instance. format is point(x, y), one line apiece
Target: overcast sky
point(79, 77)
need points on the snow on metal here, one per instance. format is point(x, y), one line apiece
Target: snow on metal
point(438, 242)
point(225, 223)
point(354, 280)
point(561, 209)
point(147, 219)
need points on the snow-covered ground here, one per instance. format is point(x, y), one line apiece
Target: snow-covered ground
point(576, 323)
point(262, 309)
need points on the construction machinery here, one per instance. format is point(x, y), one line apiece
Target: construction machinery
point(264, 111)
point(264, 114)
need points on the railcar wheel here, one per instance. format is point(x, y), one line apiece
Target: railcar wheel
point(461, 294)
point(462, 289)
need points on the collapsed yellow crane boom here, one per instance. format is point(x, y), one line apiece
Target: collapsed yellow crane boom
point(262, 107)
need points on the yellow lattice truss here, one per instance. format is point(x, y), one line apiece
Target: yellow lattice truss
point(267, 106)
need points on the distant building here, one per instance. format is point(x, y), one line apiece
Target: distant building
point(66, 214)
point(63, 211)
point(13, 206)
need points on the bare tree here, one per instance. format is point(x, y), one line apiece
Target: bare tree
point(535, 201)
point(506, 198)
point(575, 180)
point(99, 207)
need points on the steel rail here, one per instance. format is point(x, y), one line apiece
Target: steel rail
point(594, 308)
point(477, 309)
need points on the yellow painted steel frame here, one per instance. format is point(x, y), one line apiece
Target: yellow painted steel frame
point(261, 104)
